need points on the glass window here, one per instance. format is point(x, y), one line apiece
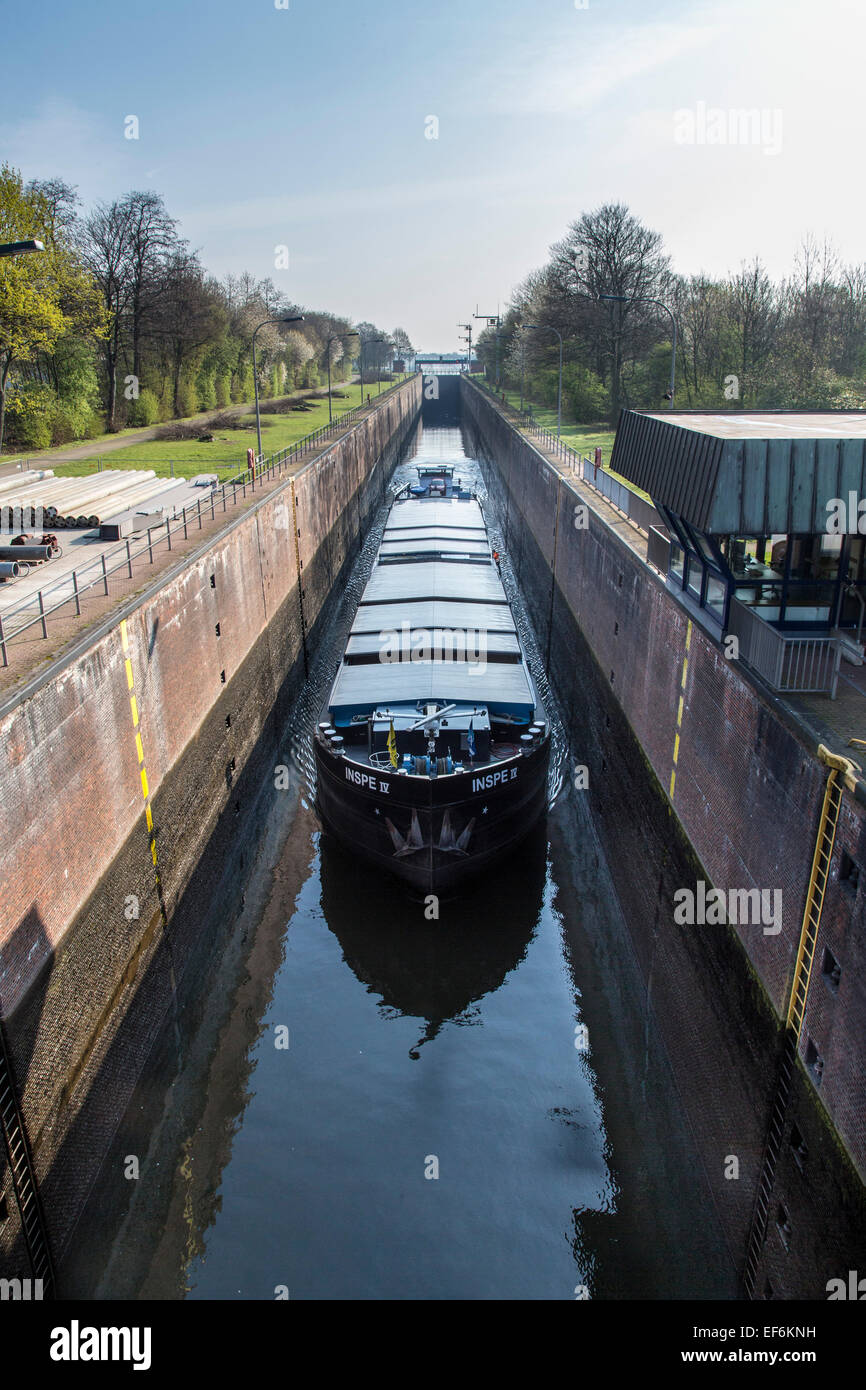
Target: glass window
point(680, 532)
point(809, 603)
point(696, 576)
point(852, 609)
point(678, 560)
point(716, 592)
point(702, 546)
point(815, 557)
point(766, 599)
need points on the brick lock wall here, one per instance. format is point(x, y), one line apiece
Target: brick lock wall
point(85, 988)
point(744, 814)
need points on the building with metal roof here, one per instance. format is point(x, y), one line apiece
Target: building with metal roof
point(766, 512)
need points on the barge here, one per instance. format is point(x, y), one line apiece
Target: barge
point(432, 749)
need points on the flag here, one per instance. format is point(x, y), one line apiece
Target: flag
point(392, 745)
point(470, 740)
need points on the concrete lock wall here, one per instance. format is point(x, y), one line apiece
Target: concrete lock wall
point(174, 712)
point(742, 812)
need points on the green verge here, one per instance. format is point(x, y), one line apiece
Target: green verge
point(227, 453)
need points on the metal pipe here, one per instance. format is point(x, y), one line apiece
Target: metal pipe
point(26, 552)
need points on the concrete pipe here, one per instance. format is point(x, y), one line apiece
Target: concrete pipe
point(9, 569)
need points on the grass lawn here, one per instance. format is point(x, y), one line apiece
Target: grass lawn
point(228, 452)
point(584, 438)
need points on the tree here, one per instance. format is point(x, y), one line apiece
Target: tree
point(106, 247)
point(402, 344)
point(191, 315)
point(42, 295)
point(152, 237)
point(755, 312)
point(616, 255)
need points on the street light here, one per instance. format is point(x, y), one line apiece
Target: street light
point(495, 319)
point(519, 334)
point(641, 299)
point(378, 364)
point(546, 327)
point(294, 318)
point(335, 338)
point(20, 248)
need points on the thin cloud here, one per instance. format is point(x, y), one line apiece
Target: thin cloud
point(563, 79)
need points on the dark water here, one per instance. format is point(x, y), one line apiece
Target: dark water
point(417, 1048)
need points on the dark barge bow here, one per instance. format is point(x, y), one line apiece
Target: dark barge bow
point(432, 752)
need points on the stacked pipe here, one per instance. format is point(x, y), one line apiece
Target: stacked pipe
point(85, 502)
point(54, 495)
point(79, 501)
point(146, 492)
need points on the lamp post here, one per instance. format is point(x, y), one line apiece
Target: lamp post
point(378, 366)
point(641, 299)
point(20, 248)
point(293, 318)
point(543, 327)
point(522, 365)
point(494, 319)
point(335, 338)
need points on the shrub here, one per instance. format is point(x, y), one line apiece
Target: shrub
point(30, 414)
point(584, 396)
point(187, 403)
point(144, 410)
point(223, 388)
point(205, 389)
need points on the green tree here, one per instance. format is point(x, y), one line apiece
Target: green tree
point(44, 295)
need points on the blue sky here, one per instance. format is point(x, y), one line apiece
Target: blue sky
point(305, 127)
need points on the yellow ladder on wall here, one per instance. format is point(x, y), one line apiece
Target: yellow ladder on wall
point(817, 885)
point(843, 773)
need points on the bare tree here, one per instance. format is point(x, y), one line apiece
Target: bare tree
point(152, 238)
point(106, 241)
point(609, 251)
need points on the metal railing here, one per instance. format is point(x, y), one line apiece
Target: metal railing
point(796, 663)
point(75, 583)
point(638, 510)
point(635, 508)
